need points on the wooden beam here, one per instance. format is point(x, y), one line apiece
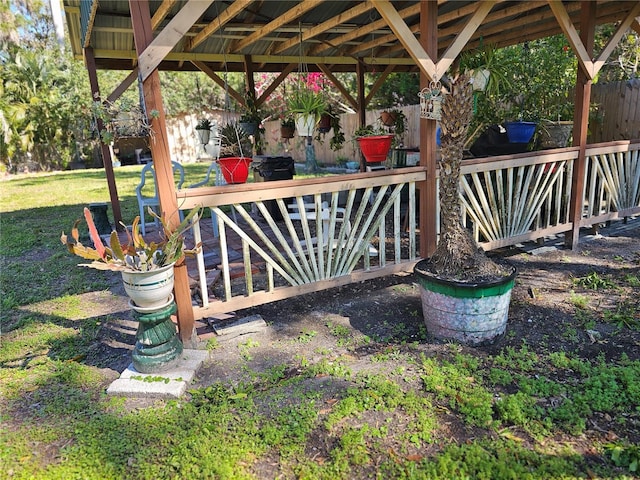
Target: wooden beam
point(367, 29)
point(463, 37)
point(615, 38)
point(157, 50)
point(324, 26)
point(143, 35)
point(584, 60)
point(216, 78)
point(225, 17)
point(378, 83)
point(107, 162)
point(635, 26)
point(288, 17)
point(408, 39)
point(581, 124)
point(161, 13)
point(428, 190)
point(341, 88)
point(126, 83)
point(251, 84)
point(276, 83)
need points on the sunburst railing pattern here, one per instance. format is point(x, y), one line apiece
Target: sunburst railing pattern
point(317, 234)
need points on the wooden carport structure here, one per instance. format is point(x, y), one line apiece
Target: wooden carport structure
point(329, 36)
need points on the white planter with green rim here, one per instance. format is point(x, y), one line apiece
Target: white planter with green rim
point(151, 289)
point(471, 313)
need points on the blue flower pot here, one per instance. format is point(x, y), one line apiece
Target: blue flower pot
point(520, 132)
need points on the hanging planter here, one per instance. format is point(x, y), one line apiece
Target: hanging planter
point(520, 132)
point(250, 127)
point(431, 101)
point(203, 128)
point(235, 169)
point(480, 79)
point(375, 148)
point(305, 125)
point(471, 313)
point(388, 119)
point(287, 132)
point(324, 125)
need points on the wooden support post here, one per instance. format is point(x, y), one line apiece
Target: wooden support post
point(580, 125)
point(90, 63)
point(362, 107)
point(143, 36)
point(428, 189)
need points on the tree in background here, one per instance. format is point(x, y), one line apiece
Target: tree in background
point(41, 91)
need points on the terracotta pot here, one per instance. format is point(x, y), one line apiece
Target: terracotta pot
point(375, 148)
point(235, 169)
point(287, 132)
point(324, 125)
point(388, 119)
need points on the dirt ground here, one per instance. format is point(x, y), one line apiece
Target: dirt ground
point(352, 325)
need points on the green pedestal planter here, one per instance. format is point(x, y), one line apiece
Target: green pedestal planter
point(469, 313)
point(158, 346)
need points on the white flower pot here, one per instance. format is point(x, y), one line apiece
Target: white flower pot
point(305, 125)
point(151, 289)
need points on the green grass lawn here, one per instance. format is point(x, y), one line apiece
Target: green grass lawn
point(56, 421)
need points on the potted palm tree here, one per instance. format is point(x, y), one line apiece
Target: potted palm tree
point(465, 295)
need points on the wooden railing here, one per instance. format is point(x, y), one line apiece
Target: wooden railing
point(344, 229)
point(348, 228)
point(517, 198)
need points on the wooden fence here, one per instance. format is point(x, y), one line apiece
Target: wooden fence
point(615, 111)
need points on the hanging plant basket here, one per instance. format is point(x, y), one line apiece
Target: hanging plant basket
point(250, 127)
point(287, 132)
point(235, 169)
point(204, 135)
point(388, 119)
point(431, 101)
point(375, 148)
point(305, 125)
point(324, 125)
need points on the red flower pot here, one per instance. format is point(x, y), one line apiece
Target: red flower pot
point(375, 148)
point(235, 169)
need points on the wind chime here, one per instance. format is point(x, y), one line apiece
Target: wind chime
point(431, 101)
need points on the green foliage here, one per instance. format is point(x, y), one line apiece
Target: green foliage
point(305, 101)
point(459, 383)
point(593, 281)
point(624, 455)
